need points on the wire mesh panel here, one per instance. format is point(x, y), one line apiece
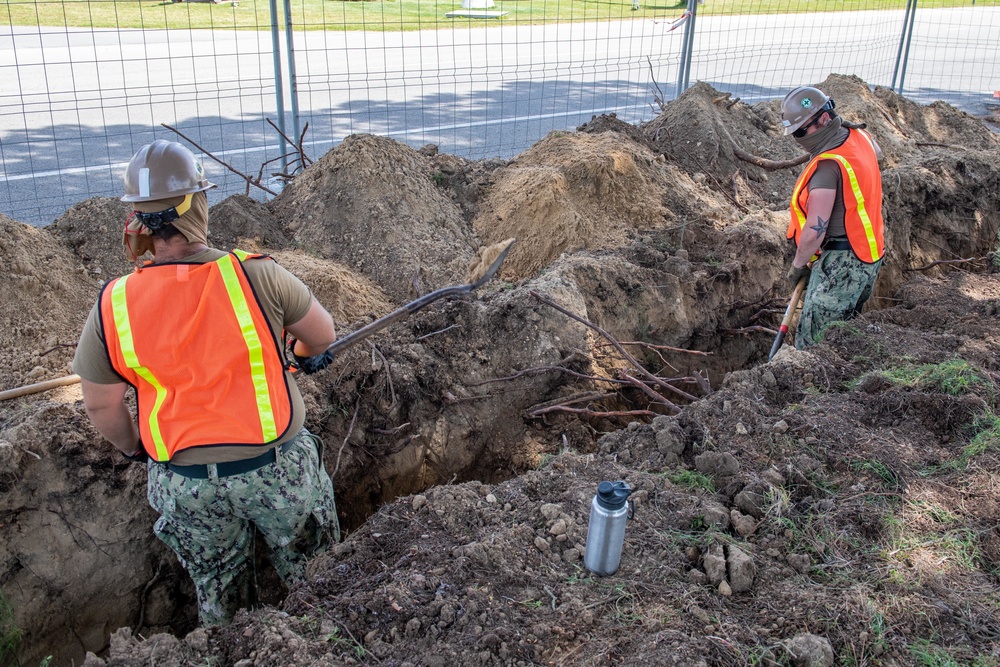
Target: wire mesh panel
point(477, 87)
point(85, 83)
point(953, 56)
point(759, 50)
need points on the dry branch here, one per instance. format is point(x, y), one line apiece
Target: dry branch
point(228, 166)
point(770, 165)
point(618, 346)
point(747, 330)
point(946, 261)
point(657, 399)
point(583, 397)
point(595, 413)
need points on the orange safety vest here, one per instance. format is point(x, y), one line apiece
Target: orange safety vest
point(862, 191)
point(194, 342)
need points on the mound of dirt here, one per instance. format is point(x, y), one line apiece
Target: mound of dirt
point(47, 295)
point(572, 192)
point(836, 505)
point(372, 204)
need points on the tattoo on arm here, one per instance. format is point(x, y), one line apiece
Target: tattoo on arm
point(820, 226)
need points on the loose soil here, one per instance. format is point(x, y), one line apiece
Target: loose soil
point(835, 506)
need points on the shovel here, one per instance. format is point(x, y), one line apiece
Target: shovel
point(403, 312)
point(800, 287)
point(352, 338)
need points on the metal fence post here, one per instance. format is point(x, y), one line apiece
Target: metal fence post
point(905, 38)
point(687, 47)
point(293, 87)
point(279, 91)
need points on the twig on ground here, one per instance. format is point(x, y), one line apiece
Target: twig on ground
point(657, 399)
point(435, 333)
point(618, 346)
point(350, 429)
point(748, 330)
point(594, 413)
point(946, 261)
point(581, 397)
point(390, 431)
point(56, 347)
point(660, 347)
point(388, 373)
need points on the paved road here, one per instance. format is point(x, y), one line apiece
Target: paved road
point(75, 106)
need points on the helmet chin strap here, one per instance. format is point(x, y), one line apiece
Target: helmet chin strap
point(157, 220)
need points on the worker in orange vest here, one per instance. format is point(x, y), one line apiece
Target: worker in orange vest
point(836, 213)
point(199, 335)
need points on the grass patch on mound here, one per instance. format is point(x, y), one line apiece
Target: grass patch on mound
point(10, 634)
point(955, 377)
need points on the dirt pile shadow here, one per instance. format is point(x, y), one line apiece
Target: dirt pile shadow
point(466, 441)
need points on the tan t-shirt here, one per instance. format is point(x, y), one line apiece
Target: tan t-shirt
point(827, 176)
point(284, 299)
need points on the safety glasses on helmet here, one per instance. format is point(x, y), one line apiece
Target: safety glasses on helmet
point(801, 132)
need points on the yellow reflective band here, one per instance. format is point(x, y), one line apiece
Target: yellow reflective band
point(255, 350)
point(860, 198)
point(119, 306)
point(184, 206)
point(796, 208)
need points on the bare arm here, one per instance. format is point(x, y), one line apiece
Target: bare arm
point(820, 207)
point(105, 404)
point(314, 333)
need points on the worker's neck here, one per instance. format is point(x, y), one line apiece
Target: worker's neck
point(176, 249)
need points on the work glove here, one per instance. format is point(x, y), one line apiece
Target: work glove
point(310, 365)
point(797, 273)
point(139, 455)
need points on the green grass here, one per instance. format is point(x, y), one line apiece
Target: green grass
point(928, 654)
point(692, 479)
point(985, 438)
point(955, 377)
point(10, 634)
point(397, 15)
point(889, 478)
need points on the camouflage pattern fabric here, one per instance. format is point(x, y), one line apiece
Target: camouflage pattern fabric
point(209, 523)
point(839, 285)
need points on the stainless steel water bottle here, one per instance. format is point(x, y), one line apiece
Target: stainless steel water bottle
point(606, 530)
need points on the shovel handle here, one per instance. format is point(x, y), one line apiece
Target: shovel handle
point(800, 287)
point(38, 387)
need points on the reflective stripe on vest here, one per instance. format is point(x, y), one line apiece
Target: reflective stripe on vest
point(799, 215)
point(124, 327)
point(243, 401)
point(254, 348)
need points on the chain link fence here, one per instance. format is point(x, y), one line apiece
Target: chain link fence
point(85, 83)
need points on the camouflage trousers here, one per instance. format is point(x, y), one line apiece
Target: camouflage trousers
point(209, 523)
point(839, 285)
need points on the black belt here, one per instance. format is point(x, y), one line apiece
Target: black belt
point(837, 244)
point(200, 471)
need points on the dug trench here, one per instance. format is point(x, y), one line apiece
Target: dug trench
point(837, 503)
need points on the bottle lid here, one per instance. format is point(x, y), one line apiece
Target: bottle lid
point(612, 495)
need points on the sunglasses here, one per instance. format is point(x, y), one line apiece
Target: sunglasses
point(801, 132)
